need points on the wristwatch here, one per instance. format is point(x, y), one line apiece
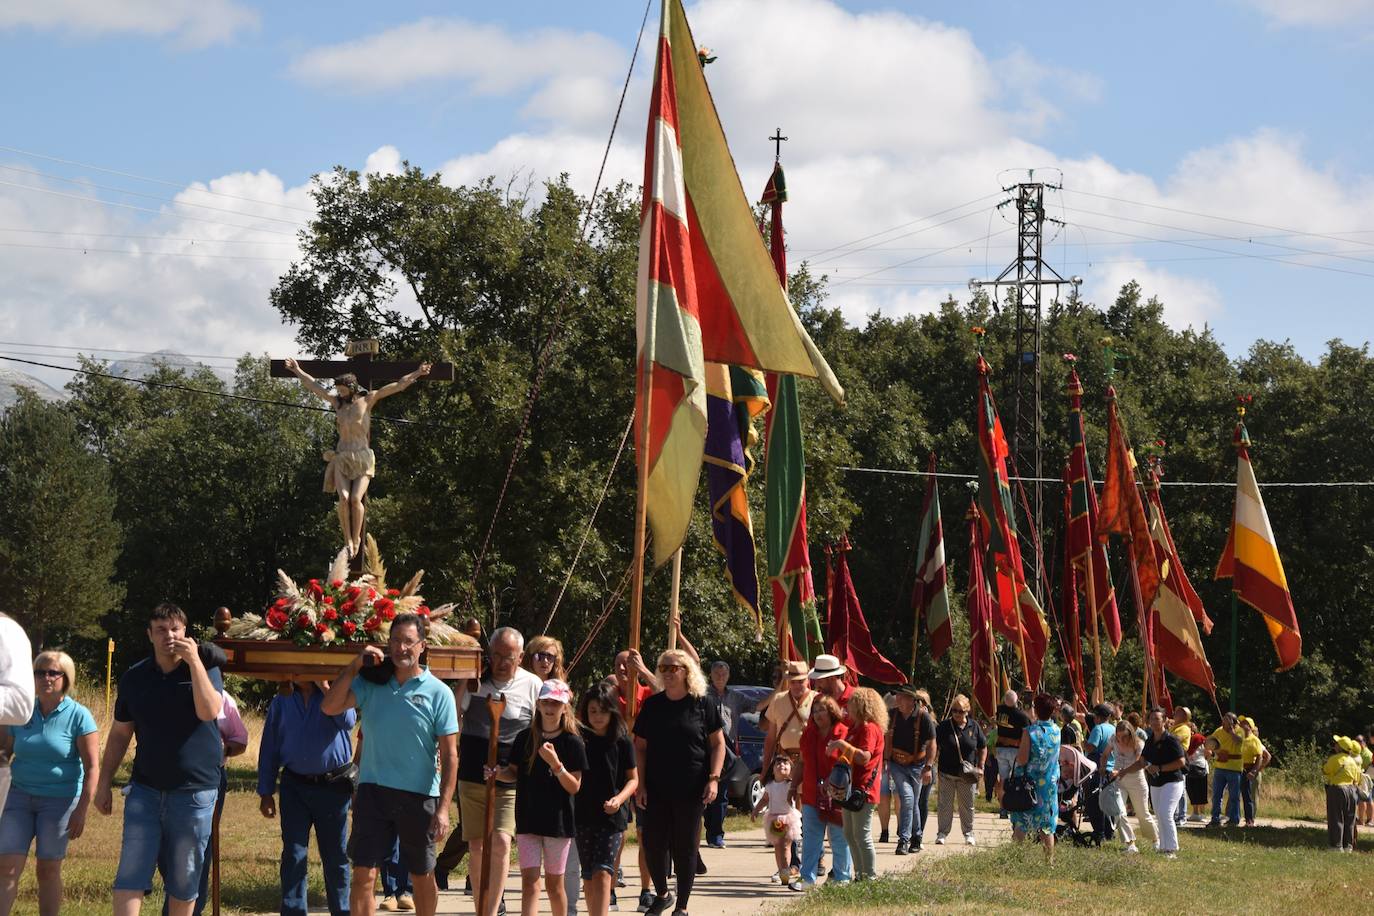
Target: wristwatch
point(561, 770)
point(713, 776)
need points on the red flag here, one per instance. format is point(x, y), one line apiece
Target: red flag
point(1018, 616)
point(1122, 512)
point(1085, 550)
point(850, 640)
point(930, 596)
point(982, 648)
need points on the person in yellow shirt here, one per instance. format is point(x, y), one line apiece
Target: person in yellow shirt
point(1254, 757)
point(1341, 772)
point(1226, 771)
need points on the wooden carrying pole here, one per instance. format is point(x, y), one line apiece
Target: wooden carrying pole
point(1097, 644)
point(672, 601)
point(641, 505)
point(496, 706)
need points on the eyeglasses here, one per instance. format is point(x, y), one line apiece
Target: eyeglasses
point(669, 669)
point(547, 657)
point(405, 644)
point(503, 657)
point(48, 672)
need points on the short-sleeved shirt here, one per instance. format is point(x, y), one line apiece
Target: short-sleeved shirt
point(1251, 750)
point(731, 705)
point(521, 693)
point(46, 762)
point(1160, 751)
point(789, 717)
point(867, 736)
point(542, 806)
point(176, 750)
point(1096, 745)
point(610, 758)
point(642, 693)
point(676, 733)
point(1183, 732)
point(1011, 722)
point(1231, 744)
point(953, 745)
point(403, 724)
point(904, 729)
point(925, 733)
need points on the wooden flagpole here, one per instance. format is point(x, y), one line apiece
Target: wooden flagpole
point(672, 601)
point(1097, 645)
point(641, 504)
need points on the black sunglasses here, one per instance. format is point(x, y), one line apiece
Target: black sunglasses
point(48, 672)
point(545, 657)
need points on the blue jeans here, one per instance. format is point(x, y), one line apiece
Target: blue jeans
point(325, 808)
point(922, 806)
point(715, 816)
point(906, 785)
point(395, 877)
point(35, 817)
point(203, 893)
point(1223, 780)
point(175, 825)
point(814, 832)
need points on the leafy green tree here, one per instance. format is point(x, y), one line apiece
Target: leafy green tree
point(58, 537)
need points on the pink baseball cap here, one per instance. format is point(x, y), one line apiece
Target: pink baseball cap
point(554, 689)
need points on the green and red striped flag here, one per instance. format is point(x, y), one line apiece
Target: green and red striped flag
point(789, 556)
point(1251, 560)
point(930, 596)
point(706, 290)
point(1086, 552)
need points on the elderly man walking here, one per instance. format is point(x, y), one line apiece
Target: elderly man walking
point(731, 704)
point(520, 688)
point(409, 720)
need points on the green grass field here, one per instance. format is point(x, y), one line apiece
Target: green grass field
point(1228, 871)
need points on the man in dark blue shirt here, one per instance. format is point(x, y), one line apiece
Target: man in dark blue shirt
point(170, 701)
point(314, 754)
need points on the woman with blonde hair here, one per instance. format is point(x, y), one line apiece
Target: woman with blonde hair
point(1124, 750)
point(54, 775)
point(680, 749)
point(544, 657)
point(862, 749)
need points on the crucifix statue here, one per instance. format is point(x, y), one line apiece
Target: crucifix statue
point(351, 465)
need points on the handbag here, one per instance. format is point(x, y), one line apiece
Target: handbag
point(1019, 793)
point(344, 779)
point(1109, 800)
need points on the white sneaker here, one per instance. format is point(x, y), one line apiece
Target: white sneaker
point(773, 878)
point(1195, 818)
point(1131, 847)
point(939, 839)
point(1171, 855)
point(969, 840)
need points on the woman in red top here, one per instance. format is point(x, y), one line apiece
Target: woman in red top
point(820, 814)
point(863, 749)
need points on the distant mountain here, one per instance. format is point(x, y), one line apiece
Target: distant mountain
point(138, 367)
point(11, 379)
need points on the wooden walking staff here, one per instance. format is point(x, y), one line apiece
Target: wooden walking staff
point(496, 706)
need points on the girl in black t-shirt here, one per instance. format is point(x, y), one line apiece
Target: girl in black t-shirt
point(608, 784)
point(547, 759)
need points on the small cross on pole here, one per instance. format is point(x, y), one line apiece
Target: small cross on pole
point(778, 140)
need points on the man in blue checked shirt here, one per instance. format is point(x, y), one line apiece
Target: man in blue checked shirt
point(314, 754)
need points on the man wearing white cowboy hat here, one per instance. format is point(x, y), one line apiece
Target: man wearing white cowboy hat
point(827, 677)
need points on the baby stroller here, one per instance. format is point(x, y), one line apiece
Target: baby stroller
point(1073, 825)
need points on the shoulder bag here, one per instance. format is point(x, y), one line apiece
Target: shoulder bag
point(1019, 793)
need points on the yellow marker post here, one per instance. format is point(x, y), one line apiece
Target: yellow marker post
point(109, 672)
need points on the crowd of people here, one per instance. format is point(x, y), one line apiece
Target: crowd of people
point(563, 779)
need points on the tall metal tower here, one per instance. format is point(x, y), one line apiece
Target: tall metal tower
point(1026, 276)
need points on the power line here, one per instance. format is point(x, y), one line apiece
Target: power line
point(83, 249)
point(880, 270)
point(150, 238)
point(80, 182)
point(16, 343)
point(224, 394)
point(185, 185)
point(1224, 219)
point(913, 222)
point(1166, 483)
point(121, 204)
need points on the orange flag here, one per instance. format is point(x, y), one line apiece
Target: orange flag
point(1121, 510)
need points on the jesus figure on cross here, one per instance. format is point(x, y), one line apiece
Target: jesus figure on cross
point(352, 463)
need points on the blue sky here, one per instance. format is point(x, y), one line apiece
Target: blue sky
point(1246, 114)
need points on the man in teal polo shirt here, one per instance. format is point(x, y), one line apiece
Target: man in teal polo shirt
point(406, 721)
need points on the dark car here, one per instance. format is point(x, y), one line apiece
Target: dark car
point(744, 794)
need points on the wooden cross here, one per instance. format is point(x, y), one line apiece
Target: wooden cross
point(778, 140)
point(371, 374)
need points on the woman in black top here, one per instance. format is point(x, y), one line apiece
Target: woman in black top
point(608, 784)
point(1163, 760)
point(680, 748)
point(958, 741)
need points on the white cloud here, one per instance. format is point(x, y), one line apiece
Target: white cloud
point(384, 161)
point(191, 23)
point(489, 59)
point(1187, 302)
point(1315, 13)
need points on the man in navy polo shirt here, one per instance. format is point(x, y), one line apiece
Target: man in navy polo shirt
point(170, 701)
point(408, 721)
